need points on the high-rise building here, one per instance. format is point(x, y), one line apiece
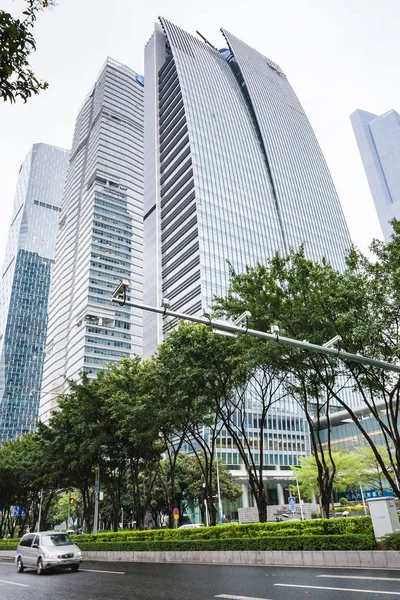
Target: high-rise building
point(378, 139)
point(100, 236)
point(25, 286)
point(233, 171)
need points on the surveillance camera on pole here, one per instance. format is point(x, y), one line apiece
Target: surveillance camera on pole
point(120, 291)
point(243, 319)
point(335, 341)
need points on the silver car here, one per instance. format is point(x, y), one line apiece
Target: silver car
point(43, 551)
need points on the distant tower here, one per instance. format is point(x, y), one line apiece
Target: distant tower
point(233, 171)
point(378, 139)
point(25, 286)
point(100, 237)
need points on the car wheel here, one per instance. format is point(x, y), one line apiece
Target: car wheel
point(74, 568)
point(20, 566)
point(39, 567)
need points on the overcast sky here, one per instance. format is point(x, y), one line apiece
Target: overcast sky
point(339, 55)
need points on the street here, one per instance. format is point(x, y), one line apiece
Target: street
point(134, 581)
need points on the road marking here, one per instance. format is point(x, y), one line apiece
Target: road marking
point(98, 571)
point(319, 587)
point(359, 577)
point(13, 583)
point(229, 597)
point(10, 562)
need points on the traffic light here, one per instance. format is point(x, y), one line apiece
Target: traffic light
point(72, 500)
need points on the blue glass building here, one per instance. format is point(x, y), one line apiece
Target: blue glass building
point(25, 286)
point(378, 139)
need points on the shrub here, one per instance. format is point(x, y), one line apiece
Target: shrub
point(298, 542)
point(343, 501)
point(391, 541)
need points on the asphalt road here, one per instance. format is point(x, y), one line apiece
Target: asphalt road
point(134, 581)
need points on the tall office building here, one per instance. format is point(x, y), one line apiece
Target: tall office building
point(25, 286)
point(233, 171)
point(100, 237)
point(378, 139)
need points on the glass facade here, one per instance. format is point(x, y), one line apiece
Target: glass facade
point(378, 139)
point(235, 172)
point(100, 239)
point(25, 286)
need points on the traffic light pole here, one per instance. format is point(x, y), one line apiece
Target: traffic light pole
point(69, 509)
point(96, 500)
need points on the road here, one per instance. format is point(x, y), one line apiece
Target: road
point(134, 581)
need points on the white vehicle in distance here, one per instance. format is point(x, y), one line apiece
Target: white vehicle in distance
point(47, 550)
point(191, 526)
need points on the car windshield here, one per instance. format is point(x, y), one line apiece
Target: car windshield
point(56, 539)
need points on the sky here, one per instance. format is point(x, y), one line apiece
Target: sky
point(339, 55)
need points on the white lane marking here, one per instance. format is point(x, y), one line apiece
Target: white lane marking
point(229, 597)
point(98, 571)
point(10, 562)
point(360, 577)
point(319, 587)
point(13, 583)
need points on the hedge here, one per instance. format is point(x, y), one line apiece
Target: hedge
point(301, 542)
point(391, 541)
point(340, 526)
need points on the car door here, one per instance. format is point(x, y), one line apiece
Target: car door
point(26, 550)
point(35, 550)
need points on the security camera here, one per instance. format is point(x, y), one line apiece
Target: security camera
point(333, 342)
point(120, 291)
point(275, 329)
point(242, 319)
point(165, 303)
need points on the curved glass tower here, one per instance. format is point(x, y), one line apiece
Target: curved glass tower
point(233, 172)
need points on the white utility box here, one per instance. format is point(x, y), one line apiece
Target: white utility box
point(384, 516)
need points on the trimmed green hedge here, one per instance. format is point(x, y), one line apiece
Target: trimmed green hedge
point(391, 541)
point(302, 542)
point(342, 526)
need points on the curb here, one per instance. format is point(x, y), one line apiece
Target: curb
point(388, 559)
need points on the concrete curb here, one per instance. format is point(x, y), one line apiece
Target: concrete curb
point(352, 559)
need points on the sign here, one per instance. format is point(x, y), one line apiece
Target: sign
point(291, 500)
point(248, 515)
point(293, 508)
point(18, 512)
point(176, 512)
point(176, 517)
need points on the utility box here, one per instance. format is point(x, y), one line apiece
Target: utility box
point(384, 516)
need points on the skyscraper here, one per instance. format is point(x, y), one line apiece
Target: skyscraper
point(100, 237)
point(378, 139)
point(233, 171)
point(25, 286)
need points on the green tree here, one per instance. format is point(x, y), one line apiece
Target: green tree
point(17, 80)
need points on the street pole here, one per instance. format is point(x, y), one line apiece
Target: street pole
point(205, 504)
point(219, 494)
point(96, 500)
point(40, 508)
point(363, 500)
point(300, 500)
point(69, 509)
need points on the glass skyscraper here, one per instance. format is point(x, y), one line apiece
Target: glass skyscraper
point(378, 139)
point(100, 236)
point(233, 171)
point(25, 286)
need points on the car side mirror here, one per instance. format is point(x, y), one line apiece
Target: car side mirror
point(35, 545)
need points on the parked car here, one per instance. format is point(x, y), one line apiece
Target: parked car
point(191, 526)
point(47, 550)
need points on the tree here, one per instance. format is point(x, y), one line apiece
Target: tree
point(310, 300)
point(17, 80)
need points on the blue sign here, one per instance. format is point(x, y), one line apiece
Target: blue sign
point(292, 500)
point(140, 79)
point(292, 508)
point(18, 512)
